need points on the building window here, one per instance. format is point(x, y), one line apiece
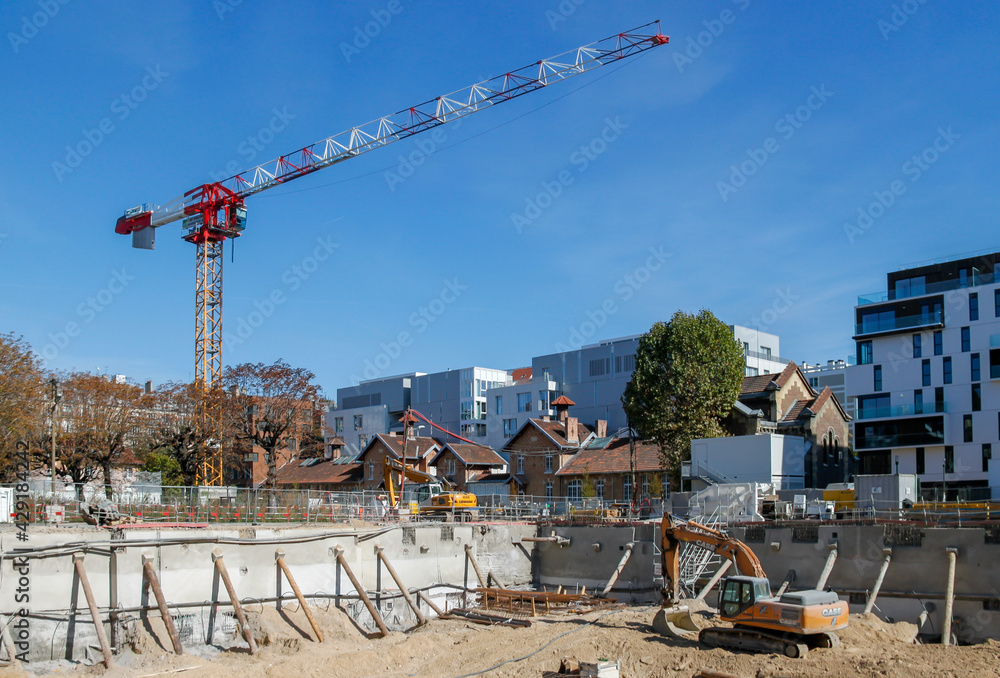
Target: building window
point(466, 411)
point(573, 489)
point(765, 352)
point(627, 488)
point(524, 402)
point(371, 470)
point(865, 353)
point(645, 485)
point(973, 306)
point(600, 367)
point(946, 369)
point(977, 397)
point(338, 425)
point(499, 406)
point(967, 428)
point(548, 463)
point(966, 340)
point(996, 303)
point(878, 377)
point(509, 427)
point(599, 488)
point(917, 350)
point(452, 467)
point(543, 400)
point(548, 489)
point(920, 461)
point(520, 465)
point(925, 368)
point(362, 441)
point(987, 455)
point(949, 459)
point(938, 343)
point(939, 399)
point(359, 422)
point(918, 401)
point(752, 372)
point(480, 409)
point(628, 363)
point(974, 367)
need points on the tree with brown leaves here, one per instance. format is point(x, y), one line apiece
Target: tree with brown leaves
point(22, 400)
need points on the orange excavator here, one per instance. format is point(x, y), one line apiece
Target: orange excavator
point(790, 624)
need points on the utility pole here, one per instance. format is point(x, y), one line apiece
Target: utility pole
point(56, 397)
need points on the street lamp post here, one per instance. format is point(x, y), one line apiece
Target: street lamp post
point(56, 397)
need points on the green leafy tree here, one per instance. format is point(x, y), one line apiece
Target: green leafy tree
point(167, 465)
point(687, 376)
point(588, 489)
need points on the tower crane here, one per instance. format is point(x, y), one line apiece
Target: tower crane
point(215, 212)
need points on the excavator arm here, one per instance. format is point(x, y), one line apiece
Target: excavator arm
point(675, 532)
point(390, 467)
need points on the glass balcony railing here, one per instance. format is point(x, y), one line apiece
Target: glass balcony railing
point(876, 325)
point(901, 410)
point(925, 438)
point(930, 288)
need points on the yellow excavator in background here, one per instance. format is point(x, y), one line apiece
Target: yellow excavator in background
point(790, 624)
point(427, 495)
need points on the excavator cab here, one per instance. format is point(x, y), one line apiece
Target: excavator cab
point(740, 594)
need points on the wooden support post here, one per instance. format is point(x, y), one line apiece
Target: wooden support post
point(423, 596)
point(168, 621)
point(421, 619)
point(618, 570)
point(878, 581)
point(827, 568)
point(220, 566)
point(949, 597)
point(533, 614)
point(475, 565)
point(383, 629)
point(279, 557)
point(95, 614)
point(726, 564)
point(8, 642)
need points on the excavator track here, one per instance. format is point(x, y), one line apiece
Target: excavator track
point(754, 640)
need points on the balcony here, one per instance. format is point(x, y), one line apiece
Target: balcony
point(921, 439)
point(766, 356)
point(895, 324)
point(900, 411)
point(930, 288)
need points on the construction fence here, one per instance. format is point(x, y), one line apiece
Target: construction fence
point(201, 505)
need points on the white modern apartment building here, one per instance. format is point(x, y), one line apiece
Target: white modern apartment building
point(926, 388)
point(834, 375)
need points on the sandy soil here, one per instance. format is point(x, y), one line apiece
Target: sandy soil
point(451, 648)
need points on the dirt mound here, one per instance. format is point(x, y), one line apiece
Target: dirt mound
point(866, 629)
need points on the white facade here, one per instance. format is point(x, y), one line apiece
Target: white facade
point(834, 375)
point(762, 350)
point(512, 405)
point(770, 458)
point(927, 390)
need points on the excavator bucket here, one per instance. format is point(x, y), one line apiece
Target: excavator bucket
point(678, 621)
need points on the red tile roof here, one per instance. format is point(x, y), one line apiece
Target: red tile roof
point(323, 473)
point(472, 455)
point(557, 431)
point(521, 374)
point(613, 459)
point(420, 446)
point(563, 400)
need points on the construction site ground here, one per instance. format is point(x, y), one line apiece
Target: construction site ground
point(453, 648)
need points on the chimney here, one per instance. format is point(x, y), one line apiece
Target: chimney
point(601, 428)
point(572, 436)
point(562, 405)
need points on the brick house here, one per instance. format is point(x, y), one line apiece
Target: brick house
point(461, 463)
point(419, 453)
point(604, 465)
point(785, 403)
point(541, 447)
point(330, 472)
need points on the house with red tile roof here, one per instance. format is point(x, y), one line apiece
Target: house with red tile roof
point(784, 403)
point(461, 463)
point(419, 452)
point(615, 470)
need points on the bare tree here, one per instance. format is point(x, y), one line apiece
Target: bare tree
point(22, 400)
point(270, 404)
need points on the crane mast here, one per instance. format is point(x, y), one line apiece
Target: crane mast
point(215, 212)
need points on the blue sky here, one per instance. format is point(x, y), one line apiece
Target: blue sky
point(739, 169)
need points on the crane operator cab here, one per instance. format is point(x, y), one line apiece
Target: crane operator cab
point(741, 593)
